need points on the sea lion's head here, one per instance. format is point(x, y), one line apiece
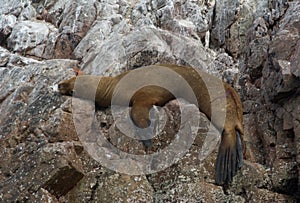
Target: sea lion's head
point(65, 87)
point(83, 86)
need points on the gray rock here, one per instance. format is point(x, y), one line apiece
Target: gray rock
point(7, 22)
point(288, 33)
point(189, 18)
point(31, 173)
point(238, 31)
point(271, 71)
point(76, 19)
point(25, 90)
point(28, 13)
point(14, 7)
point(225, 15)
point(33, 38)
point(106, 188)
point(143, 47)
point(43, 156)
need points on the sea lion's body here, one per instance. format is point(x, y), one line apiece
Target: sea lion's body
point(230, 151)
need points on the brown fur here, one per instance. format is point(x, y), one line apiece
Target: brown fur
point(230, 156)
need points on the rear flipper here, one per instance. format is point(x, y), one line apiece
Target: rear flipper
point(230, 157)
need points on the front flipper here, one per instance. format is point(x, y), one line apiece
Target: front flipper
point(230, 157)
point(145, 135)
point(140, 116)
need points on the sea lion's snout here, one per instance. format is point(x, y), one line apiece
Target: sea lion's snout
point(54, 89)
point(65, 87)
point(58, 89)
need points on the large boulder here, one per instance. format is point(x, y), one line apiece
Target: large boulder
point(60, 149)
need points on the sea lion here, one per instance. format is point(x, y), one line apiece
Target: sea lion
point(230, 156)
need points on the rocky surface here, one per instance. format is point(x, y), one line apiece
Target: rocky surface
point(253, 45)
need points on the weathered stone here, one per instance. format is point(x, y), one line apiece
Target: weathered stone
point(51, 11)
point(264, 194)
point(278, 87)
point(94, 38)
point(290, 83)
point(7, 22)
point(76, 21)
point(285, 177)
point(12, 7)
point(143, 47)
point(255, 148)
point(134, 189)
point(225, 15)
point(295, 64)
point(60, 127)
point(224, 67)
point(278, 9)
point(33, 174)
point(44, 137)
point(188, 18)
point(286, 38)
point(42, 195)
point(67, 174)
point(33, 38)
point(239, 29)
point(28, 13)
point(28, 34)
point(257, 52)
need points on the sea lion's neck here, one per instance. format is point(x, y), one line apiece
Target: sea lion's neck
point(106, 89)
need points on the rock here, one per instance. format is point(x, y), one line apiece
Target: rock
point(61, 149)
point(134, 189)
point(278, 86)
point(225, 15)
point(106, 187)
point(145, 46)
point(34, 174)
point(7, 22)
point(28, 13)
point(33, 38)
point(224, 67)
point(189, 18)
point(255, 146)
point(289, 82)
point(66, 176)
point(12, 7)
point(238, 29)
point(295, 62)
point(76, 20)
point(258, 48)
point(28, 89)
point(288, 34)
point(43, 196)
point(60, 127)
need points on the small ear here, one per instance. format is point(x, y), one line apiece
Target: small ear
point(78, 71)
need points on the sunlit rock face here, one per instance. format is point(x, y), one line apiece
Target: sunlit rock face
point(252, 45)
